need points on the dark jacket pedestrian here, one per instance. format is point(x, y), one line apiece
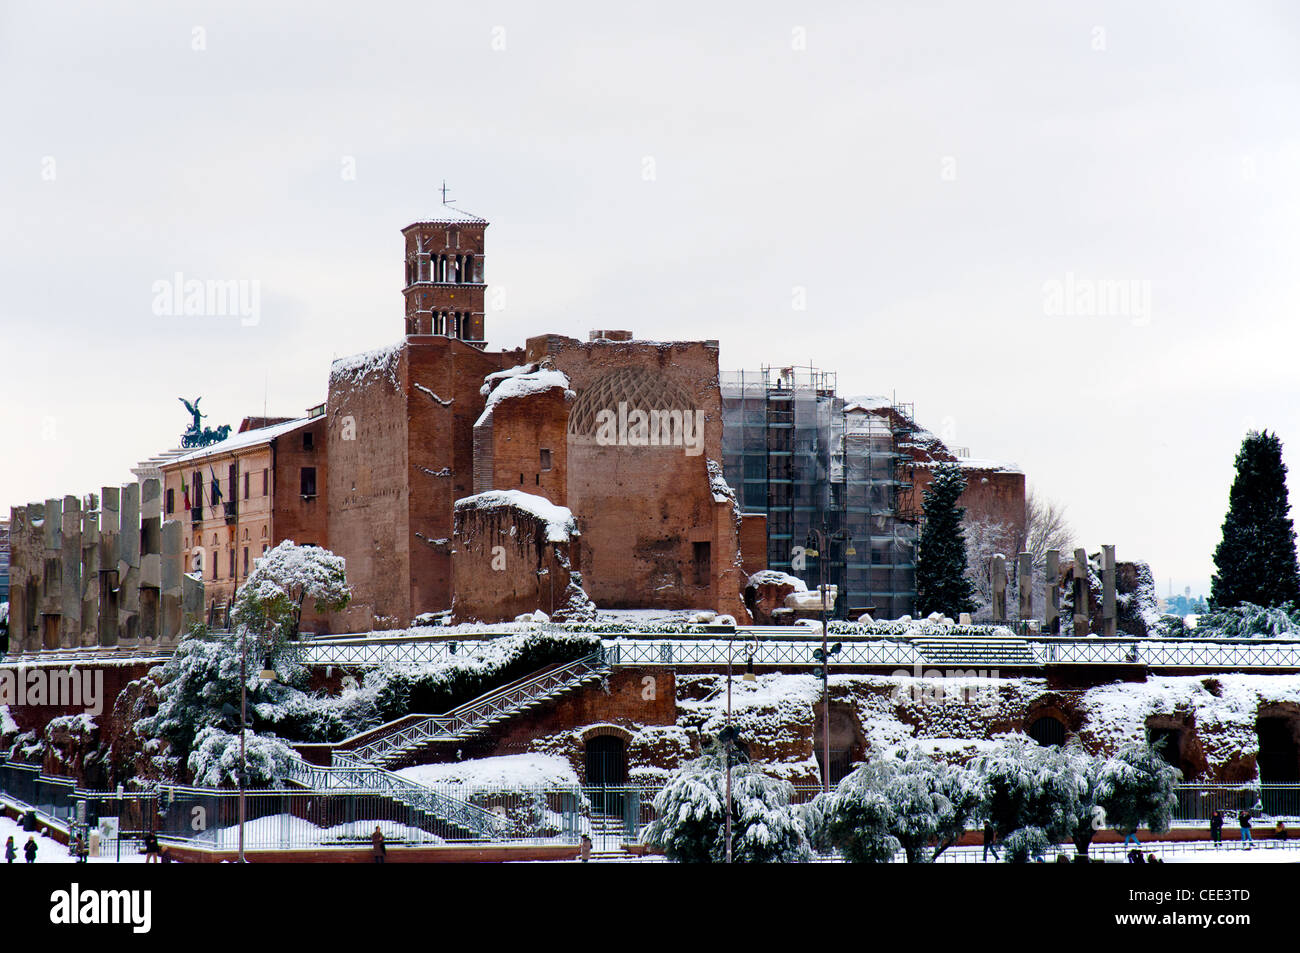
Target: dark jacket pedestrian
point(152, 850)
point(1243, 819)
point(377, 849)
point(29, 850)
point(1280, 831)
point(990, 841)
point(11, 852)
point(1216, 827)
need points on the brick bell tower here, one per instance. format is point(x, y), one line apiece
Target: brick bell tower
point(444, 275)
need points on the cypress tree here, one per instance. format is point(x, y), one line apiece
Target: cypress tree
point(941, 583)
point(1256, 559)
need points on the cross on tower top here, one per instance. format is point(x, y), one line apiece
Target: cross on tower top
point(444, 191)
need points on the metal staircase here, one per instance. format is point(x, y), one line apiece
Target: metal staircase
point(362, 766)
point(449, 817)
point(976, 651)
point(404, 736)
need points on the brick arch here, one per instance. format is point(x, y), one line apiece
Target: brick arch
point(1050, 709)
point(595, 731)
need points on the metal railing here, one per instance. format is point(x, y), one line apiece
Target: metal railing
point(444, 812)
point(406, 735)
point(790, 645)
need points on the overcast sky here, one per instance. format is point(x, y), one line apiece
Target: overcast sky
point(917, 196)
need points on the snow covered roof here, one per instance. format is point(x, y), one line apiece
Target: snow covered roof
point(240, 441)
point(451, 215)
point(560, 524)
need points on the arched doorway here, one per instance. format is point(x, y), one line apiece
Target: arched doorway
point(606, 770)
point(1278, 761)
point(1047, 731)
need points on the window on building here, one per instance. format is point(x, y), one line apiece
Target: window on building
point(700, 558)
point(234, 490)
point(171, 500)
point(245, 560)
point(246, 476)
point(232, 562)
point(307, 440)
point(308, 481)
point(546, 459)
point(265, 482)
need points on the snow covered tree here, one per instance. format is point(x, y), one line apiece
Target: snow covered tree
point(214, 762)
point(910, 802)
point(271, 601)
point(1030, 788)
point(199, 687)
point(941, 583)
point(1136, 788)
point(691, 816)
point(1256, 559)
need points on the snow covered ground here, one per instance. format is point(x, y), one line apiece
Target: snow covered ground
point(506, 772)
point(50, 851)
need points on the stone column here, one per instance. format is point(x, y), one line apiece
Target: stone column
point(999, 588)
point(51, 586)
point(70, 551)
point(90, 572)
point(1025, 585)
point(23, 564)
point(172, 570)
point(109, 527)
point(128, 565)
point(1053, 609)
point(150, 557)
point(1108, 615)
point(1080, 574)
point(191, 602)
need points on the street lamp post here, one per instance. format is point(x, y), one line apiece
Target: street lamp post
point(265, 675)
point(821, 539)
point(729, 733)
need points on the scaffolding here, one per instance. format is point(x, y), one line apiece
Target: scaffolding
point(808, 460)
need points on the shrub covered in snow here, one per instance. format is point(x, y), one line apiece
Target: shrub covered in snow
point(691, 814)
point(1248, 621)
point(909, 801)
point(214, 762)
point(1045, 795)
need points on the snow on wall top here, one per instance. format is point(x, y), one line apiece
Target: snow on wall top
point(774, 577)
point(355, 369)
point(524, 385)
point(496, 377)
point(861, 402)
point(971, 463)
point(560, 524)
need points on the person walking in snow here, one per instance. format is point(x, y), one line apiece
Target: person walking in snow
point(990, 841)
point(584, 850)
point(1132, 836)
point(152, 852)
point(1216, 827)
point(11, 852)
point(377, 849)
point(29, 850)
point(1243, 819)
